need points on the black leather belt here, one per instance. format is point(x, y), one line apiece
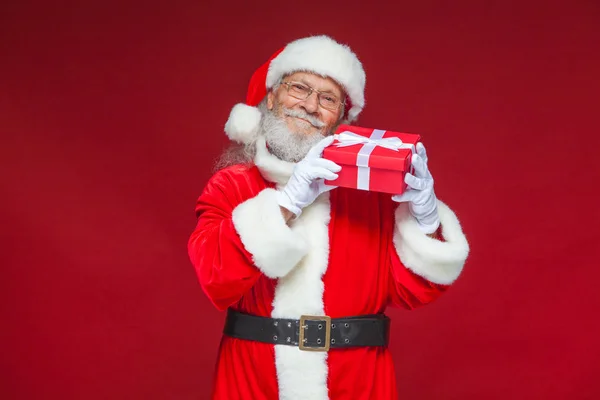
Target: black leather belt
point(312, 333)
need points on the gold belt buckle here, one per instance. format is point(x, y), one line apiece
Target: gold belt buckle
point(314, 318)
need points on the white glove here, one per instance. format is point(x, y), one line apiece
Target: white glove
point(307, 180)
point(420, 195)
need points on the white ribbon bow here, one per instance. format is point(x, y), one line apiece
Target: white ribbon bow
point(348, 138)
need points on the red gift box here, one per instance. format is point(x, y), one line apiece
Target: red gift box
point(371, 159)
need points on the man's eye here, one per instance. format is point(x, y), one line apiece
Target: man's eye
point(299, 87)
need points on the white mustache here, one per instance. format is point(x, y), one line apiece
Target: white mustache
point(301, 114)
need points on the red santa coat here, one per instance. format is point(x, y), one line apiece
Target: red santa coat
point(349, 253)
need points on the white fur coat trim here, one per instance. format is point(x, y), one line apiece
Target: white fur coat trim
point(437, 261)
point(300, 374)
point(275, 247)
point(303, 374)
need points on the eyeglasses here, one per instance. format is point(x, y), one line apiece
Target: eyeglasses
point(300, 91)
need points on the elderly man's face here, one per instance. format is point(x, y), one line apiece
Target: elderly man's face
point(308, 116)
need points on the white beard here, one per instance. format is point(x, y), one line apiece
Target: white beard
point(283, 143)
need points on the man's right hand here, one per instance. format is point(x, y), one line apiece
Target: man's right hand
point(307, 180)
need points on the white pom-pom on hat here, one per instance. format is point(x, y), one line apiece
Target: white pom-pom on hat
point(243, 122)
point(317, 54)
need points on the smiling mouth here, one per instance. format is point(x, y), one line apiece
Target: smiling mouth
point(305, 121)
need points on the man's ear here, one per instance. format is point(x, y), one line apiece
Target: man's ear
point(270, 97)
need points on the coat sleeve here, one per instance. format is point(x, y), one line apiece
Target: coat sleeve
point(240, 235)
point(422, 268)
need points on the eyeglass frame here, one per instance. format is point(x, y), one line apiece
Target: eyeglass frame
point(310, 92)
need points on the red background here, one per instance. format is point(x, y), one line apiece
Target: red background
point(111, 115)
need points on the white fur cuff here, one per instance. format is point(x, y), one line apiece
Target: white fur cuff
point(275, 248)
point(437, 261)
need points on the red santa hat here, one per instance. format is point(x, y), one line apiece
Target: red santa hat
point(317, 54)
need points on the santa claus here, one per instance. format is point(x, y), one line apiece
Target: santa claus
point(306, 270)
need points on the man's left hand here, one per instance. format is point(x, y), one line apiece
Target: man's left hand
point(420, 194)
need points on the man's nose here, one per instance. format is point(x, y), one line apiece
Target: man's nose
point(311, 104)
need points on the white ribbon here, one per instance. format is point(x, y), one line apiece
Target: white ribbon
point(348, 138)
